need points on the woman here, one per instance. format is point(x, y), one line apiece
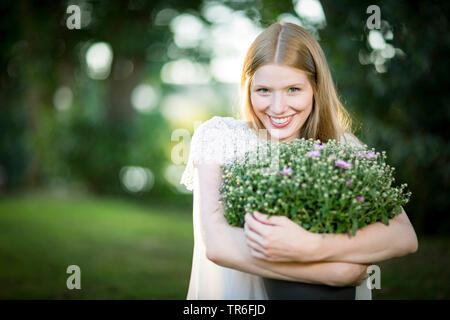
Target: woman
point(286, 92)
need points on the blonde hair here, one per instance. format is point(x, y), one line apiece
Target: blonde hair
point(291, 45)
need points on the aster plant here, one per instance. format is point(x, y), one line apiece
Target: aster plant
point(325, 188)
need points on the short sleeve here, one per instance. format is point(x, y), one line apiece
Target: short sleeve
point(348, 138)
point(208, 145)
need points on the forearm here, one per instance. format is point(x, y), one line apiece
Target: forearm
point(234, 253)
point(374, 243)
point(226, 245)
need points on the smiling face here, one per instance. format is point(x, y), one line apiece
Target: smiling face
point(282, 99)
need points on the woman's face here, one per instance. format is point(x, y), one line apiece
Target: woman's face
point(282, 99)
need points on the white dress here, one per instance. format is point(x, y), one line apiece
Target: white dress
point(222, 139)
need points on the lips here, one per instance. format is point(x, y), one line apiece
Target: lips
point(280, 125)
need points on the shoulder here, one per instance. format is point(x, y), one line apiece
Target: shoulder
point(210, 140)
point(350, 138)
point(219, 139)
point(208, 131)
point(234, 123)
point(217, 122)
point(218, 128)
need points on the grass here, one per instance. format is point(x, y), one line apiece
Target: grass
point(124, 251)
point(129, 251)
point(422, 275)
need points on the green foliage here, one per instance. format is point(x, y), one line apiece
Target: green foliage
point(325, 188)
point(402, 110)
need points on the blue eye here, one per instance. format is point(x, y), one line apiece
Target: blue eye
point(296, 89)
point(259, 90)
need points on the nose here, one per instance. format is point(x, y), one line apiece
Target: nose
point(278, 105)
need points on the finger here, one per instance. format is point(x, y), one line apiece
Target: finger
point(254, 239)
point(257, 254)
point(264, 218)
point(250, 233)
point(256, 226)
point(253, 246)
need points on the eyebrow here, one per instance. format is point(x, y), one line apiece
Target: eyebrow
point(288, 86)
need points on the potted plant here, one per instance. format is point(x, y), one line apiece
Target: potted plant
point(324, 187)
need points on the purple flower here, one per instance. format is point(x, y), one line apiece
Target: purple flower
point(343, 164)
point(370, 155)
point(360, 198)
point(332, 156)
point(367, 155)
point(349, 182)
point(313, 154)
point(286, 171)
point(318, 147)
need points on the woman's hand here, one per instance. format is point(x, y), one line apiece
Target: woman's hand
point(279, 239)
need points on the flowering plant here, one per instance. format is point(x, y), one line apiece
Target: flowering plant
point(325, 188)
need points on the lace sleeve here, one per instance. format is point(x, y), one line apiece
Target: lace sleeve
point(351, 139)
point(208, 145)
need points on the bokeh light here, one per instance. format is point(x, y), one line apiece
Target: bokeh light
point(188, 30)
point(287, 17)
point(376, 40)
point(184, 72)
point(99, 57)
point(136, 179)
point(311, 11)
point(182, 108)
point(144, 98)
point(216, 12)
point(62, 98)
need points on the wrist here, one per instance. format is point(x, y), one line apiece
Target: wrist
point(319, 249)
point(311, 250)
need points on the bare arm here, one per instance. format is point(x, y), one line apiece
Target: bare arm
point(226, 245)
point(279, 239)
point(374, 243)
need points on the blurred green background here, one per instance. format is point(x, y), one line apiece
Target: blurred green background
point(96, 122)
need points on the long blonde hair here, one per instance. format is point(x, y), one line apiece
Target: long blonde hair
point(291, 45)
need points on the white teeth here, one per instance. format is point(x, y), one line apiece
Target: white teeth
point(280, 121)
